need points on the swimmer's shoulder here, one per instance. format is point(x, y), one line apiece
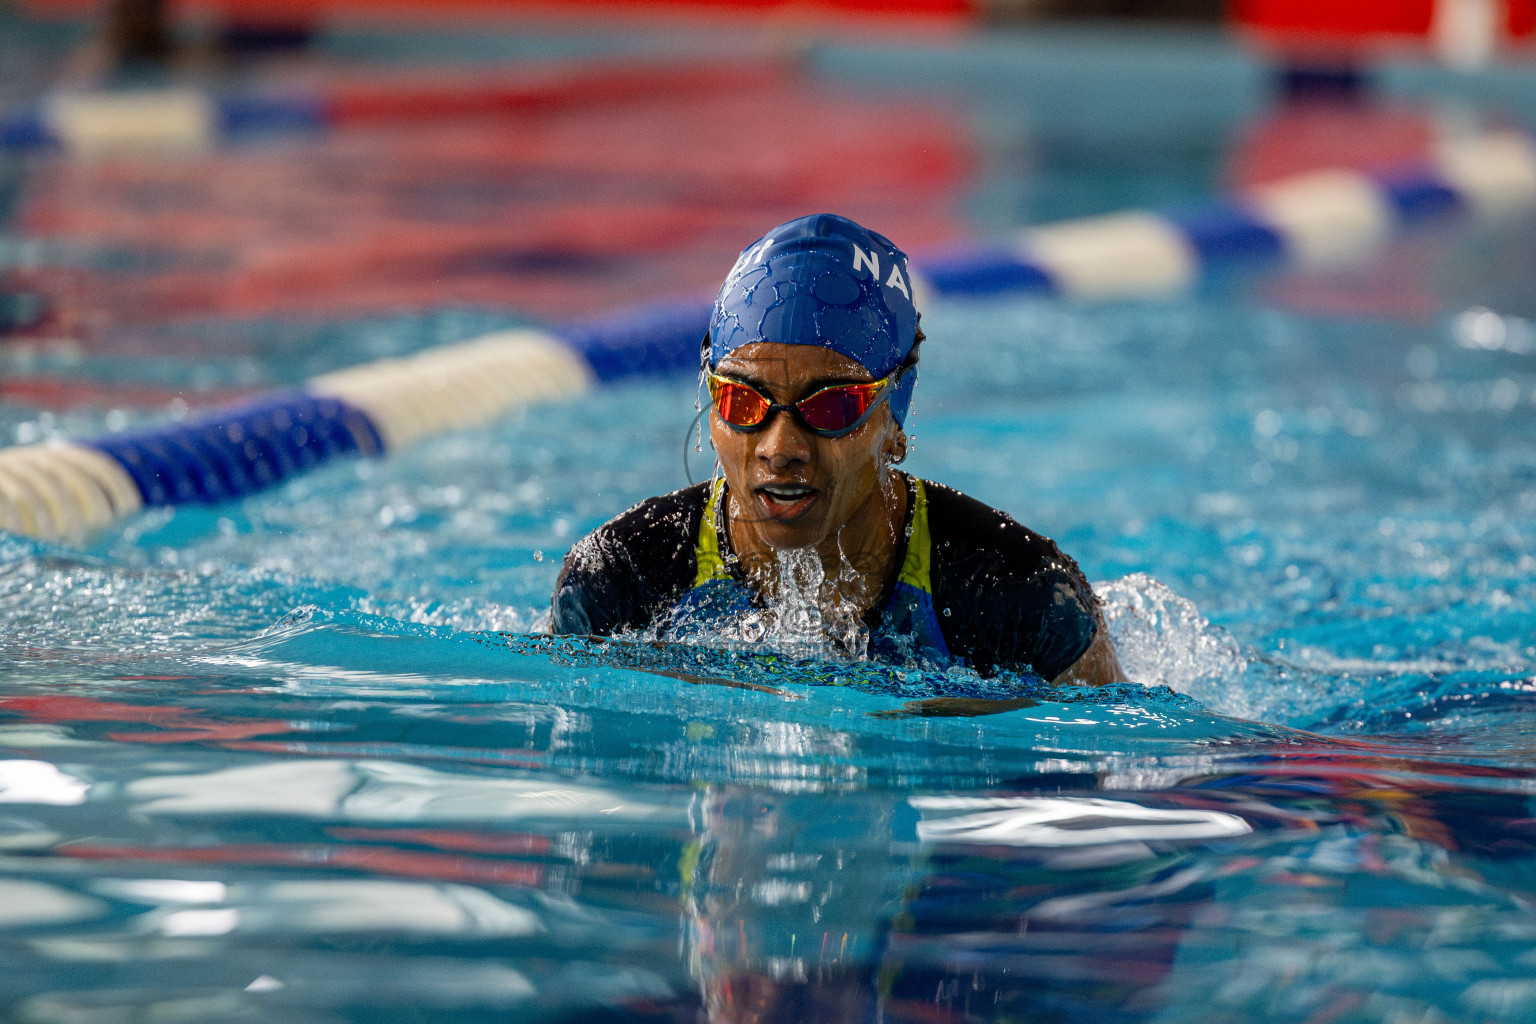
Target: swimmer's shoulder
point(655, 525)
point(972, 533)
point(632, 568)
point(1015, 598)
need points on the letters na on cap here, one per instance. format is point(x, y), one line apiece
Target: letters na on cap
point(821, 280)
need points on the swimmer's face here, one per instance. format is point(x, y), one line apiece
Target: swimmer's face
point(791, 487)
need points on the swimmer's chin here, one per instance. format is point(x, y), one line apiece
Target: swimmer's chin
point(805, 533)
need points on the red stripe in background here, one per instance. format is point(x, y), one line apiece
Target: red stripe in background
point(1342, 18)
point(172, 724)
point(43, 392)
point(1520, 18)
point(536, 91)
point(566, 201)
point(937, 12)
point(458, 840)
point(1301, 137)
point(1352, 24)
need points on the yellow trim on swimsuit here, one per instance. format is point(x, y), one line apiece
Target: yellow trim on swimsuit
point(917, 566)
point(706, 549)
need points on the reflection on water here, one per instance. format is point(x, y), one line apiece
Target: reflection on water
point(788, 908)
point(799, 917)
point(38, 782)
point(1065, 822)
point(347, 816)
point(542, 836)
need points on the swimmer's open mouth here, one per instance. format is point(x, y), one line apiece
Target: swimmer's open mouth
point(787, 502)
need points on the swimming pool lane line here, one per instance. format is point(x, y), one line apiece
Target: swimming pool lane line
point(1315, 221)
point(66, 489)
point(90, 124)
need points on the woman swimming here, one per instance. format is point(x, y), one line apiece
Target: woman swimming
point(807, 532)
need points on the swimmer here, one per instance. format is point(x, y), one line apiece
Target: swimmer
point(810, 363)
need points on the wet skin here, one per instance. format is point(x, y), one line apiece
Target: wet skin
point(790, 488)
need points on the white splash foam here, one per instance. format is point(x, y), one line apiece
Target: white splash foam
point(1163, 640)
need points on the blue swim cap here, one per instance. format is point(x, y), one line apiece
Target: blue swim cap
point(822, 280)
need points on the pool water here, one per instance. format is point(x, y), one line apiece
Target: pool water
point(300, 758)
point(302, 739)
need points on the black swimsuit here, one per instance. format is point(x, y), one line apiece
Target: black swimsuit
point(971, 586)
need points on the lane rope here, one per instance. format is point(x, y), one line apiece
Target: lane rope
point(92, 124)
point(1313, 221)
point(64, 490)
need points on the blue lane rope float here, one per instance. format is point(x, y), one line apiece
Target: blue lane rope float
point(65, 489)
point(236, 451)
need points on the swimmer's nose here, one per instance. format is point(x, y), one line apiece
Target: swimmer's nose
point(783, 443)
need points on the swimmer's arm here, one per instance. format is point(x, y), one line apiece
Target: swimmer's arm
point(605, 587)
point(955, 707)
point(590, 598)
point(1072, 613)
point(573, 611)
point(1099, 665)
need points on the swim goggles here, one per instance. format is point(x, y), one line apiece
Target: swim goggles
point(834, 411)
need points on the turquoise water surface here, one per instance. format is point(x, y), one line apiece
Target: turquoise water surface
point(303, 739)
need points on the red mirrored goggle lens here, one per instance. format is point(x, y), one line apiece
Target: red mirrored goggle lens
point(831, 409)
point(737, 404)
point(838, 408)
